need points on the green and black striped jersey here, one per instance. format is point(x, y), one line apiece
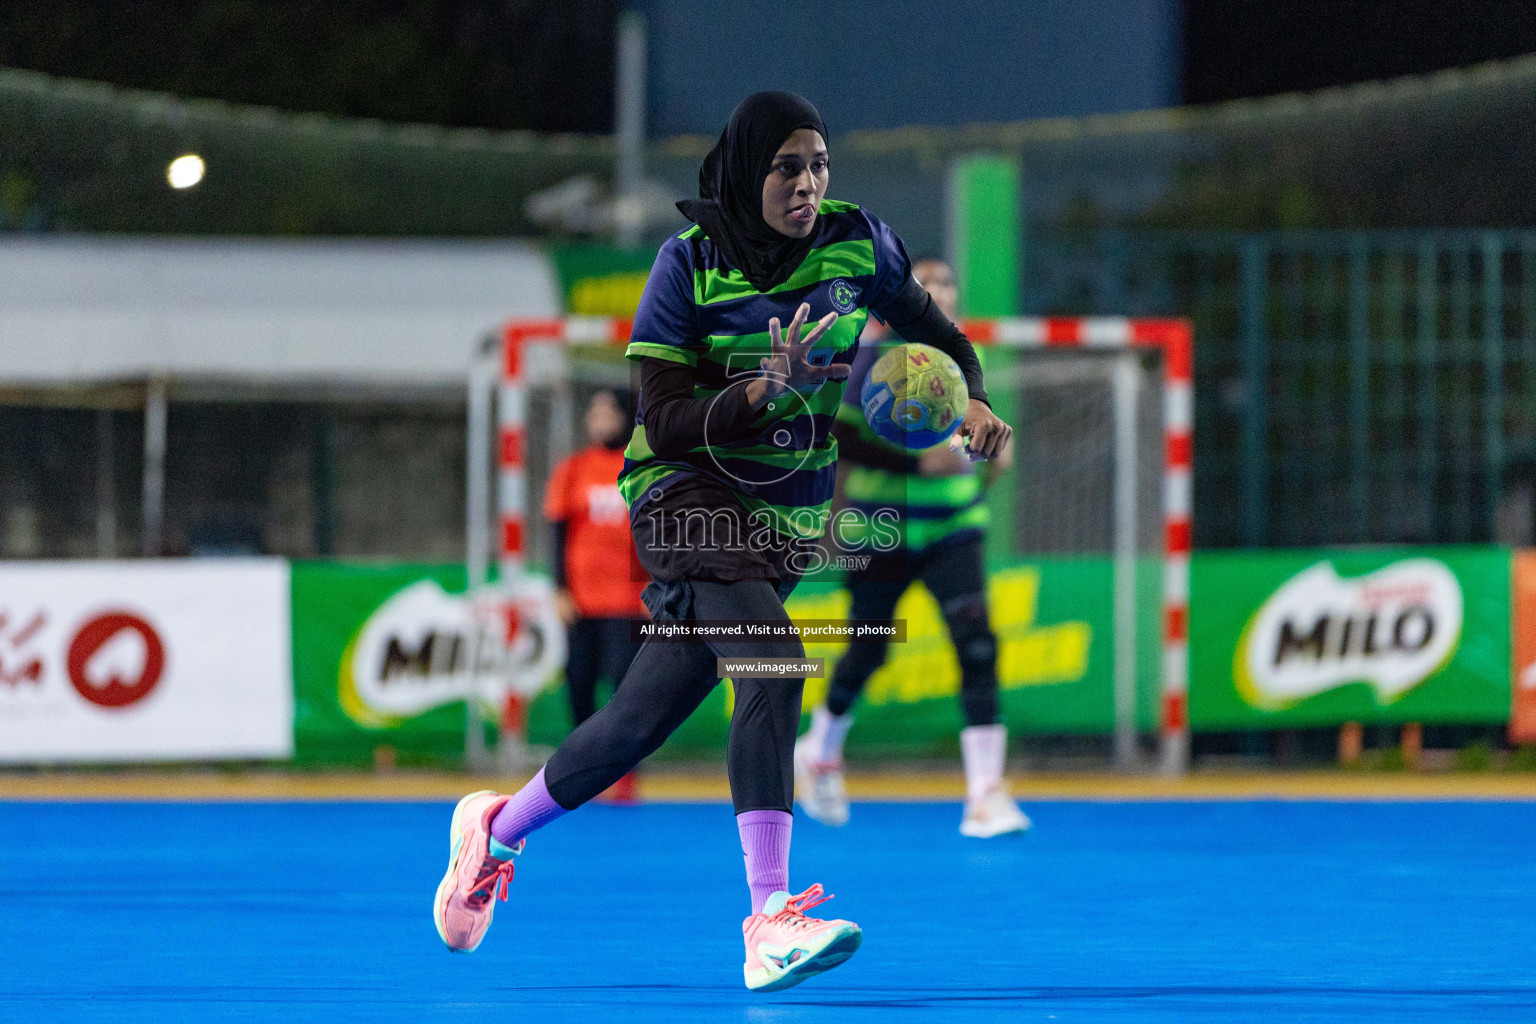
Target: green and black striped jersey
point(698, 310)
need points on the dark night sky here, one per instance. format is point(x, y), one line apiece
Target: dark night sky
point(540, 64)
point(1239, 48)
point(547, 65)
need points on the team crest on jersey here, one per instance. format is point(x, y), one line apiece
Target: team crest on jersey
point(844, 296)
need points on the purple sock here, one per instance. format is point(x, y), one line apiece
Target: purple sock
point(528, 809)
point(765, 843)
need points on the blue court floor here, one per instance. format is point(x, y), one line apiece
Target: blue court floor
point(1209, 912)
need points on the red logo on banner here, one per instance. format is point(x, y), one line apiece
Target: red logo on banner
point(96, 634)
point(17, 666)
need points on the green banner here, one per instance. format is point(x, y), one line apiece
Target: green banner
point(333, 723)
point(380, 659)
point(1317, 638)
point(1278, 640)
point(1055, 659)
point(599, 280)
point(1055, 666)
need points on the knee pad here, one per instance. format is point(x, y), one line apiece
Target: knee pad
point(853, 670)
point(976, 647)
point(971, 633)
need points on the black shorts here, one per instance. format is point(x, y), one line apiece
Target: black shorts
point(692, 527)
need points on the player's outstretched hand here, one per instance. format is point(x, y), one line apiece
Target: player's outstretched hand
point(789, 366)
point(983, 434)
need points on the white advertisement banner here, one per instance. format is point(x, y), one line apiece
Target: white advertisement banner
point(145, 661)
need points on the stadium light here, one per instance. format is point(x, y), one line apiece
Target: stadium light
point(185, 171)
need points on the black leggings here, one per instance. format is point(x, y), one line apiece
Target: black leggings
point(954, 574)
point(668, 680)
point(597, 648)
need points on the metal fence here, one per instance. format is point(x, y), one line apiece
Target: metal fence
point(1352, 386)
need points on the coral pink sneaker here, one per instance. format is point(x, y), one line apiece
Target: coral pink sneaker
point(784, 947)
point(468, 892)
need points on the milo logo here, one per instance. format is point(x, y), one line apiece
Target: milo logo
point(1390, 629)
point(424, 648)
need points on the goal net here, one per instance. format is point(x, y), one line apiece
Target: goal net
point(1084, 513)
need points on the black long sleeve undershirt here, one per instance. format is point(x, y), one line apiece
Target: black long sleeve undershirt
point(558, 530)
point(916, 317)
point(674, 419)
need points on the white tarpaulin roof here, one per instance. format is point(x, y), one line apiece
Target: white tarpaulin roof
point(86, 309)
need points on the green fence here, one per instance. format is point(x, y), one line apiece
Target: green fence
point(1352, 387)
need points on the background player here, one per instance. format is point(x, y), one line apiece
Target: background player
point(596, 596)
point(721, 419)
point(938, 496)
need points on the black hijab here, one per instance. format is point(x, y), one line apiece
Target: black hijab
point(730, 203)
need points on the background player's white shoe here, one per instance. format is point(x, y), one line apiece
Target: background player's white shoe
point(819, 785)
point(989, 810)
point(993, 814)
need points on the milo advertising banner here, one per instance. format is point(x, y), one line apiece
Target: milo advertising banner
point(382, 655)
point(1055, 664)
point(389, 655)
point(1055, 659)
point(1316, 638)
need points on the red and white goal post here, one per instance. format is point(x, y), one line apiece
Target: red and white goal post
point(526, 352)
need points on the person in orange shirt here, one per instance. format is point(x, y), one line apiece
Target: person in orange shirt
point(595, 595)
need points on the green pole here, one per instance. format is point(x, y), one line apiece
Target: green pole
point(1360, 453)
point(984, 236)
point(984, 248)
point(1254, 264)
point(1493, 377)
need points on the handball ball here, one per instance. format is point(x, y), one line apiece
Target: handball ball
point(914, 396)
